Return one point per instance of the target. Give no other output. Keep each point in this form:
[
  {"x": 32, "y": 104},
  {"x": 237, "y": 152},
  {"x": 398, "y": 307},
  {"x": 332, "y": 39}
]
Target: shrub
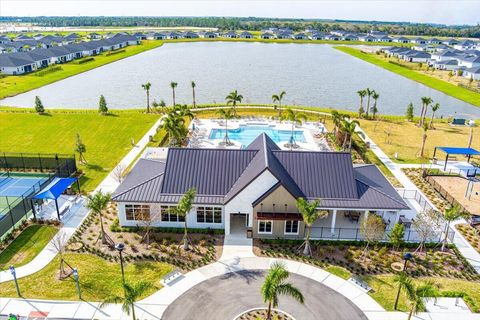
[{"x": 85, "y": 60}]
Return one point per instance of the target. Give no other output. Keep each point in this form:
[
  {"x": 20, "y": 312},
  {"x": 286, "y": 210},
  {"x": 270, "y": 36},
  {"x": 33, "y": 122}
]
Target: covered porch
[{"x": 345, "y": 224}]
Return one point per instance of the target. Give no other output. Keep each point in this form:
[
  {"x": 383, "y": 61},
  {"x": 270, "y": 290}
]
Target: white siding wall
[
  {"x": 242, "y": 203},
  {"x": 154, "y": 208}
]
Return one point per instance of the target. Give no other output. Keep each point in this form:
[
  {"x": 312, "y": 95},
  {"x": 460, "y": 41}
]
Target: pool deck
[{"x": 200, "y": 129}]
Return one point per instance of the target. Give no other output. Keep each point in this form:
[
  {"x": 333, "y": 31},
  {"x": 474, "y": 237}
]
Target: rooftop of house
[{"x": 221, "y": 174}]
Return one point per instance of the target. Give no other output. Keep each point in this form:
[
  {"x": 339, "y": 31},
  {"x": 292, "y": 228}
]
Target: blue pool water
[{"x": 245, "y": 135}]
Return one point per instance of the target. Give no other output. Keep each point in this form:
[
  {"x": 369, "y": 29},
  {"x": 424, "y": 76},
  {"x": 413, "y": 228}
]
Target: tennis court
[{"x": 15, "y": 185}]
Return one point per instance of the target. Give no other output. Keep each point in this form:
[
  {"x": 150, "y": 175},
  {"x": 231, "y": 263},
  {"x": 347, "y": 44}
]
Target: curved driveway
[{"x": 224, "y": 297}]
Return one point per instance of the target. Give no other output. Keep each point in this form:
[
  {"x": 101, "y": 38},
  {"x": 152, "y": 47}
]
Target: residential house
[
  {"x": 472, "y": 73},
  {"x": 418, "y": 41},
  {"x": 94, "y": 36},
  {"x": 208, "y": 35},
  {"x": 339, "y": 33},
  {"x": 246, "y": 35},
  {"x": 333, "y": 37},
  {"x": 448, "y": 65},
  {"x": 434, "y": 41},
  {"x": 384, "y": 39},
  {"x": 284, "y": 35},
  {"x": 318, "y": 36},
  {"x": 401, "y": 40},
  {"x": 301, "y": 36},
  {"x": 14, "y": 64},
  {"x": 38, "y": 36},
  {"x": 350, "y": 37},
  {"x": 417, "y": 56},
  {"x": 140, "y": 36},
  {"x": 174, "y": 35},
  {"x": 470, "y": 61},
  {"x": 5, "y": 40},
  {"x": 465, "y": 45},
  {"x": 153, "y": 36},
  {"x": 450, "y": 42},
  {"x": 267, "y": 35},
  {"x": 71, "y": 38},
  {"x": 22, "y": 37},
  {"x": 190, "y": 35},
  {"x": 230, "y": 34},
  {"x": 255, "y": 189},
  {"x": 367, "y": 38}
]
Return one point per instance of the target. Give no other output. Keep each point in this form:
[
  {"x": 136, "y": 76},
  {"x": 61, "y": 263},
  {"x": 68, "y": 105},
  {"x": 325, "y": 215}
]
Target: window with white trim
[
  {"x": 137, "y": 212},
  {"x": 209, "y": 215},
  {"x": 168, "y": 216},
  {"x": 265, "y": 226},
  {"x": 291, "y": 227}
]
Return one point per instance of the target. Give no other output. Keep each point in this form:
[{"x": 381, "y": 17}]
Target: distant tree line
[{"x": 253, "y": 23}]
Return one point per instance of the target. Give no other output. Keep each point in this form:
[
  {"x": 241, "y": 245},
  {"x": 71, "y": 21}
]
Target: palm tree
[
  {"x": 369, "y": 94},
  {"x": 146, "y": 87},
  {"x": 275, "y": 285},
  {"x": 361, "y": 94},
  {"x": 226, "y": 114},
  {"x": 278, "y": 98},
  {"x": 435, "y": 108},
  {"x": 182, "y": 110},
  {"x": 97, "y": 203},
  {"x": 451, "y": 214},
  {"x": 348, "y": 127},
  {"x": 426, "y": 101},
  {"x": 232, "y": 99},
  {"x": 424, "y": 139},
  {"x": 174, "y": 124},
  {"x": 310, "y": 214},
  {"x": 182, "y": 209},
  {"x": 419, "y": 295},
  {"x": 375, "y": 97},
  {"x": 336, "y": 119},
  {"x": 294, "y": 118},
  {"x": 403, "y": 282},
  {"x": 131, "y": 294},
  {"x": 193, "y": 93},
  {"x": 173, "y": 85}
]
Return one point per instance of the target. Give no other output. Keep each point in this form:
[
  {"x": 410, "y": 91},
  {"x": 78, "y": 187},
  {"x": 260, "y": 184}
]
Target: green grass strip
[{"x": 434, "y": 83}]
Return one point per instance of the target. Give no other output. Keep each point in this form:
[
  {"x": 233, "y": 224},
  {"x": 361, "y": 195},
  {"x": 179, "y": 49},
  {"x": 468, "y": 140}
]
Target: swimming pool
[{"x": 246, "y": 134}]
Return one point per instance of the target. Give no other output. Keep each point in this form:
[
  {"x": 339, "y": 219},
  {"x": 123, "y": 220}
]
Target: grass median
[
  {"x": 98, "y": 279},
  {"x": 26, "y": 246},
  {"x": 434, "y": 83}
]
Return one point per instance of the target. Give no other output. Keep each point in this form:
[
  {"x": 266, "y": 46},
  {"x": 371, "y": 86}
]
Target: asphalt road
[{"x": 224, "y": 297}]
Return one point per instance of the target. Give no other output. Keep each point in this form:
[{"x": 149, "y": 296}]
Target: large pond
[{"x": 311, "y": 74}]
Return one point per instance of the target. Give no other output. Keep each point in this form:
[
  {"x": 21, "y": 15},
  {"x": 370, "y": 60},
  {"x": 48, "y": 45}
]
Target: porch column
[
  {"x": 334, "y": 218},
  {"x": 227, "y": 223},
  {"x": 366, "y": 214}
]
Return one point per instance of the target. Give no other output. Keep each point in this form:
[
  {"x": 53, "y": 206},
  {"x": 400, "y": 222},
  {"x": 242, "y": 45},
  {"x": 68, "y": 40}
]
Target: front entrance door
[{"x": 238, "y": 223}]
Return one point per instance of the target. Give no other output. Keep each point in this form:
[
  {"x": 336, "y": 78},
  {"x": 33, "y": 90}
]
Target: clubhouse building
[{"x": 254, "y": 190}]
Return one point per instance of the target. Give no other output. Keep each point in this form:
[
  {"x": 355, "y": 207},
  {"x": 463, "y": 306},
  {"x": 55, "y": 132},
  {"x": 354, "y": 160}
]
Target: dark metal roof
[
  {"x": 211, "y": 171},
  {"x": 143, "y": 184},
  {"x": 325, "y": 175}
]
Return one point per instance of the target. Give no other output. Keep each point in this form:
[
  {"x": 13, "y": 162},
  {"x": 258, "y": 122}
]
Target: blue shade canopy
[
  {"x": 55, "y": 188},
  {"x": 461, "y": 151}
]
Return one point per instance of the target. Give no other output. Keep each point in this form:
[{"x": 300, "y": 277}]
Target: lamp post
[
  {"x": 14, "y": 274},
  {"x": 120, "y": 247},
  {"x": 75, "y": 276},
  {"x": 406, "y": 257}
]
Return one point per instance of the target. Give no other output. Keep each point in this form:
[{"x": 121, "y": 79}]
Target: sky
[{"x": 431, "y": 11}]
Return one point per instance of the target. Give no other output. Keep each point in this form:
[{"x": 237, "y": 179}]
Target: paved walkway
[
  {"x": 72, "y": 222},
  {"x": 472, "y": 256}
]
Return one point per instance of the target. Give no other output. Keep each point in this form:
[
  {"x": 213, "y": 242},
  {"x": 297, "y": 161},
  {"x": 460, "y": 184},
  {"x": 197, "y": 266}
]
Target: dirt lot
[{"x": 456, "y": 187}]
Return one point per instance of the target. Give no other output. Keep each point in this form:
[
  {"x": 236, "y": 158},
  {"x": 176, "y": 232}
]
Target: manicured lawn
[
  {"x": 385, "y": 290},
  {"x": 26, "y": 246},
  {"x": 107, "y": 138},
  {"x": 437, "y": 84},
  {"x": 406, "y": 138},
  {"x": 13, "y": 85},
  {"x": 98, "y": 279}
]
